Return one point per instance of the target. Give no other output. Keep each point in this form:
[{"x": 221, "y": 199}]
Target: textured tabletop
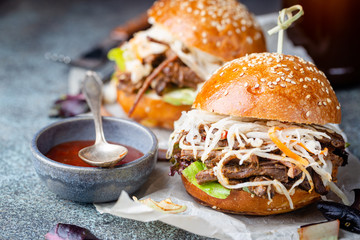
[{"x": 28, "y": 86}]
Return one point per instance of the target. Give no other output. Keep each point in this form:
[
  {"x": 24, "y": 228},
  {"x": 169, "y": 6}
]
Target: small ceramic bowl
[{"x": 88, "y": 184}]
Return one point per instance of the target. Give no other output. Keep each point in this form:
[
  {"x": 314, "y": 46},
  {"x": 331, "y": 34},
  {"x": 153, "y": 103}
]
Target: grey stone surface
[{"x": 28, "y": 86}]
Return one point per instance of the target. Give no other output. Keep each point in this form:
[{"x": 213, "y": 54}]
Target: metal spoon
[{"x": 102, "y": 153}]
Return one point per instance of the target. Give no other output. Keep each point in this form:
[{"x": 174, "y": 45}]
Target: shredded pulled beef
[
  {"x": 262, "y": 169},
  {"x": 175, "y": 74}
]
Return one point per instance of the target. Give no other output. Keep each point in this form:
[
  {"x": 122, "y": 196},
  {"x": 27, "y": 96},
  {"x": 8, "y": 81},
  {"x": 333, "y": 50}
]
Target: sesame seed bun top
[
  {"x": 223, "y": 28},
  {"x": 271, "y": 86}
]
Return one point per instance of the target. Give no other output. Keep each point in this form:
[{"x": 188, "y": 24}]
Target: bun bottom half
[
  {"x": 241, "y": 202},
  {"x": 151, "y": 112}
]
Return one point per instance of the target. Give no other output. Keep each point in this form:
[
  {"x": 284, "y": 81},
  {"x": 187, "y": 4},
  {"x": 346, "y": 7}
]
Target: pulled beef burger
[
  {"x": 160, "y": 69},
  {"x": 261, "y": 139}
]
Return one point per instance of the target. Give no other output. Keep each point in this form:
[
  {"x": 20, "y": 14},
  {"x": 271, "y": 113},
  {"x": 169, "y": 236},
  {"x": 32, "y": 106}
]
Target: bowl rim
[{"x": 41, "y": 157}]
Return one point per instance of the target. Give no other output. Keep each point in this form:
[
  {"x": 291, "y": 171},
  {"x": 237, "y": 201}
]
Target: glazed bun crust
[
  {"x": 223, "y": 28},
  {"x": 271, "y": 86},
  {"x": 151, "y": 112},
  {"x": 241, "y": 202}
]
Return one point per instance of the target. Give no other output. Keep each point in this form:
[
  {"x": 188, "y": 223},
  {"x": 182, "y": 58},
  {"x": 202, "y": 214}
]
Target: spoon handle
[{"x": 92, "y": 89}]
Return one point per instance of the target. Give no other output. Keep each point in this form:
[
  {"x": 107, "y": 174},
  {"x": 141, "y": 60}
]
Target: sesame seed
[
  {"x": 222, "y": 73},
  {"x": 329, "y": 100},
  {"x": 282, "y": 85},
  {"x": 244, "y": 68},
  {"x": 319, "y": 103},
  {"x": 257, "y": 36},
  {"x": 257, "y": 85},
  {"x": 246, "y": 84},
  {"x": 249, "y": 39},
  {"x": 235, "y": 69},
  {"x": 324, "y": 103},
  {"x": 338, "y": 107},
  {"x": 241, "y": 74},
  {"x": 308, "y": 113},
  {"x": 308, "y": 96},
  {"x": 263, "y": 79},
  {"x": 293, "y": 82},
  {"x": 305, "y": 86}
]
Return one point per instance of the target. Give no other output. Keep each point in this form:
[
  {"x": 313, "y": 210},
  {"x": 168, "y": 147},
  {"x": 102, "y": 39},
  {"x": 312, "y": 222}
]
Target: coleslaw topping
[
  {"x": 299, "y": 144},
  {"x": 142, "y": 46}
]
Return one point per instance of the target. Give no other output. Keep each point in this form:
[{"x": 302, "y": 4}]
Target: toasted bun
[
  {"x": 151, "y": 112},
  {"x": 271, "y": 86},
  {"x": 241, "y": 202},
  {"x": 223, "y": 28}
]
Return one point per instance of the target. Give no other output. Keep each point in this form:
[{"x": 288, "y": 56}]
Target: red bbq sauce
[{"x": 67, "y": 153}]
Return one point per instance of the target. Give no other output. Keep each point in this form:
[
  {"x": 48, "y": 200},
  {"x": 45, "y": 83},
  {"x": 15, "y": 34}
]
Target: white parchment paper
[{"x": 208, "y": 222}]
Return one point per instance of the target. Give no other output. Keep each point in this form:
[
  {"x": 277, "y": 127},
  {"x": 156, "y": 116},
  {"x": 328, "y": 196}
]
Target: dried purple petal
[
  {"x": 62, "y": 231},
  {"x": 349, "y": 216},
  {"x": 69, "y": 106},
  {"x": 356, "y": 203},
  {"x": 178, "y": 167}
]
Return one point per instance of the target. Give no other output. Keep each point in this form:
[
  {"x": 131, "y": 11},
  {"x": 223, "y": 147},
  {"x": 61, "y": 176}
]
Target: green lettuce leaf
[
  {"x": 184, "y": 96},
  {"x": 246, "y": 189},
  {"x": 213, "y": 189},
  {"x": 117, "y": 55}
]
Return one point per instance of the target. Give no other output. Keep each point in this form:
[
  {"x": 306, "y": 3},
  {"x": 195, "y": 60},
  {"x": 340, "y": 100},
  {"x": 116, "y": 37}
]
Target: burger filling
[
  {"x": 175, "y": 70},
  {"x": 174, "y": 75},
  {"x": 259, "y": 156}
]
